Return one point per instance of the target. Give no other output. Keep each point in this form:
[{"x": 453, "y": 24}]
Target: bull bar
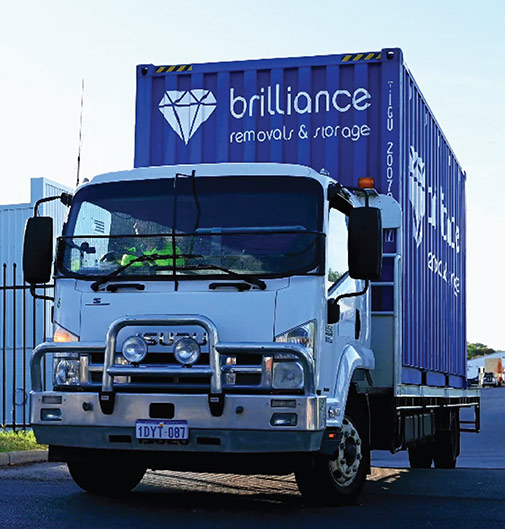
[{"x": 291, "y": 352}]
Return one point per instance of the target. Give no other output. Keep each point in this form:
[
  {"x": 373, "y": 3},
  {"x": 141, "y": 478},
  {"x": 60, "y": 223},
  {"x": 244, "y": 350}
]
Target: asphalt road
[{"x": 43, "y": 496}]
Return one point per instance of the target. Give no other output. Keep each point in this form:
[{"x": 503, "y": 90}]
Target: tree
[
  {"x": 334, "y": 276},
  {"x": 475, "y": 350}
]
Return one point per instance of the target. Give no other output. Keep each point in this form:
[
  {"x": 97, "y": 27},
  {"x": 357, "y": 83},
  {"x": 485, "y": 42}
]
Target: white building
[{"x": 24, "y": 322}]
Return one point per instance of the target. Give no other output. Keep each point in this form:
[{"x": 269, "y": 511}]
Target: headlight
[
  {"x": 67, "y": 370},
  {"x": 134, "y": 349},
  {"x": 303, "y": 334},
  {"x": 287, "y": 375},
  {"x": 62, "y": 335},
  {"x": 186, "y": 351}
]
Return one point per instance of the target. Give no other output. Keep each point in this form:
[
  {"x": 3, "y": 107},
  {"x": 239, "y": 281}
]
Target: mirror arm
[
  {"x": 366, "y": 191},
  {"x": 354, "y": 294},
  {"x": 65, "y": 198}
]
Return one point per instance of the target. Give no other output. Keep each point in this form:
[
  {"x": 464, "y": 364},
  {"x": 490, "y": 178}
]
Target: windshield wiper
[
  {"x": 248, "y": 279},
  {"x": 155, "y": 256},
  {"x": 152, "y": 257}
]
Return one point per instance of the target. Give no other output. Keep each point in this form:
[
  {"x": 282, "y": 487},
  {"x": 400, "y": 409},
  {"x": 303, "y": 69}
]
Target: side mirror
[
  {"x": 38, "y": 250},
  {"x": 365, "y": 243},
  {"x": 333, "y": 311}
]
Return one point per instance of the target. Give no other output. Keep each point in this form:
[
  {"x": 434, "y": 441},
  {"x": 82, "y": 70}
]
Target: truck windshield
[{"x": 258, "y": 226}]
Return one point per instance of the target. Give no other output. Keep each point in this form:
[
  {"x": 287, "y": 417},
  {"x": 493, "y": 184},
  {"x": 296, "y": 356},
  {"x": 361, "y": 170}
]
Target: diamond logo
[
  {"x": 417, "y": 192},
  {"x": 186, "y": 110}
]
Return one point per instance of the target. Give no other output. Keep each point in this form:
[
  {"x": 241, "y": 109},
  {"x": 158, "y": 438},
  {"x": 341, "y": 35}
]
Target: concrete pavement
[{"x": 22, "y": 457}]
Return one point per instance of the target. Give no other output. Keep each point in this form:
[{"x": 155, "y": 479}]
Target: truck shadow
[{"x": 197, "y": 500}]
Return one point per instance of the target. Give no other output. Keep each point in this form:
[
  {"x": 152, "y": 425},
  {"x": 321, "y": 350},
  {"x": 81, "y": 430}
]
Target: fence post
[
  {"x": 4, "y": 345},
  {"x": 10, "y": 366},
  {"x": 24, "y": 356},
  {"x": 14, "y": 349}
]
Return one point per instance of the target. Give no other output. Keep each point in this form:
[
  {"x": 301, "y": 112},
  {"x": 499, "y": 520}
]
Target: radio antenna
[{"x": 80, "y": 136}]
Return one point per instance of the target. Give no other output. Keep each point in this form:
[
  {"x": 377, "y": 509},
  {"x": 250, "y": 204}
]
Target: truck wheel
[
  {"x": 106, "y": 478},
  {"x": 446, "y": 448},
  {"x": 338, "y": 479},
  {"x": 421, "y": 455}
]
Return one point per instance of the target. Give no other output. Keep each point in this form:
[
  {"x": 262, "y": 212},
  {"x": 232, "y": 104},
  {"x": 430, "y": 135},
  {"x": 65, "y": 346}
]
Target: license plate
[{"x": 160, "y": 429}]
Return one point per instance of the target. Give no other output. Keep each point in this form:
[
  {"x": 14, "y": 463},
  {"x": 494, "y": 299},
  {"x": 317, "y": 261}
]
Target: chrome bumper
[
  {"x": 244, "y": 426},
  {"x": 233, "y": 421}
]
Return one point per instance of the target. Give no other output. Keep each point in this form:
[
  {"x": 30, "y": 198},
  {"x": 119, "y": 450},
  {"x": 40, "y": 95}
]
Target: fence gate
[{"x": 24, "y": 323}]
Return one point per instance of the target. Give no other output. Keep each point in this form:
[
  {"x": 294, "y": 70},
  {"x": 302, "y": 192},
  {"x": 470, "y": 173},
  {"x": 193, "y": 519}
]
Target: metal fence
[{"x": 24, "y": 323}]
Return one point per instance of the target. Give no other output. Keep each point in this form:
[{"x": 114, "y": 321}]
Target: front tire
[
  {"x": 338, "y": 479},
  {"x": 106, "y": 478}
]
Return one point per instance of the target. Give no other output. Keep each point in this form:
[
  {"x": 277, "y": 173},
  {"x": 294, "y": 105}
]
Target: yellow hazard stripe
[
  {"x": 175, "y": 68},
  {"x": 361, "y": 57}
]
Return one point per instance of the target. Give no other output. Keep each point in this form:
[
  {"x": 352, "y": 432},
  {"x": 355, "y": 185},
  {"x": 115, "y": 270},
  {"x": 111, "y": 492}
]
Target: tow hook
[
  {"x": 216, "y": 404},
  {"x": 106, "y": 399}
]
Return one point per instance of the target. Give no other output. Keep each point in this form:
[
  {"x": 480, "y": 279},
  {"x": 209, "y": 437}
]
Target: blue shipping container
[{"x": 354, "y": 115}]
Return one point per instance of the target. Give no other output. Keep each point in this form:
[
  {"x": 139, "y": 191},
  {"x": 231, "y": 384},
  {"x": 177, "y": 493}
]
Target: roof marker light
[{"x": 366, "y": 183}]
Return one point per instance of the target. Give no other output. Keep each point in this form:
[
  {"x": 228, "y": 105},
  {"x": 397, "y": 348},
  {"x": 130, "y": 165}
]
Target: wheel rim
[{"x": 345, "y": 466}]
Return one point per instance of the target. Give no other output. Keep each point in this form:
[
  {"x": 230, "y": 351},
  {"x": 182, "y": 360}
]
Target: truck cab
[{"x": 212, "y": 317}]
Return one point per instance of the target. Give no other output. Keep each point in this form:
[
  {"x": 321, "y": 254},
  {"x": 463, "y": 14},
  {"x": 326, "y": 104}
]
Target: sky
[{"x": 455, "y": 49}]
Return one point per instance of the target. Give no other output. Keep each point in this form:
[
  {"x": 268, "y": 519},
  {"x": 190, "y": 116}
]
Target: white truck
[{"x": 251, "y": 317}]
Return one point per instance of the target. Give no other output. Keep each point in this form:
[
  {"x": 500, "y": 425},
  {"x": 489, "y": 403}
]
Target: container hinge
[
  {"x": 216, "y": 404},
  {"x": 106, "y": 399}
]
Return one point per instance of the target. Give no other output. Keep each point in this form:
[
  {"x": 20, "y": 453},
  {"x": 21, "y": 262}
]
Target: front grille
[
  {"x": 246, "y": 379},
  {"x": 152, "y": 359},
  {"x": 166, "y": 384}
]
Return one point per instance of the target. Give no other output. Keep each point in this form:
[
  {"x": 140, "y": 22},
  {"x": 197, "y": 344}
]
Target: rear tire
[
  {"x": 421, "y": 455},
  {"x": 338, "y": 479},
  {"x": 447, "y": 444},
  {"x": 106, "y": 478}
]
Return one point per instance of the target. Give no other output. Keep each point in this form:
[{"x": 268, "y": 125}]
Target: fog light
[
  {"x": 284, "y": 419},
  {"x": 50, "y": 414},
  {"x": 186, "y": 351},
  {"x": 134, "y": 349}
]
